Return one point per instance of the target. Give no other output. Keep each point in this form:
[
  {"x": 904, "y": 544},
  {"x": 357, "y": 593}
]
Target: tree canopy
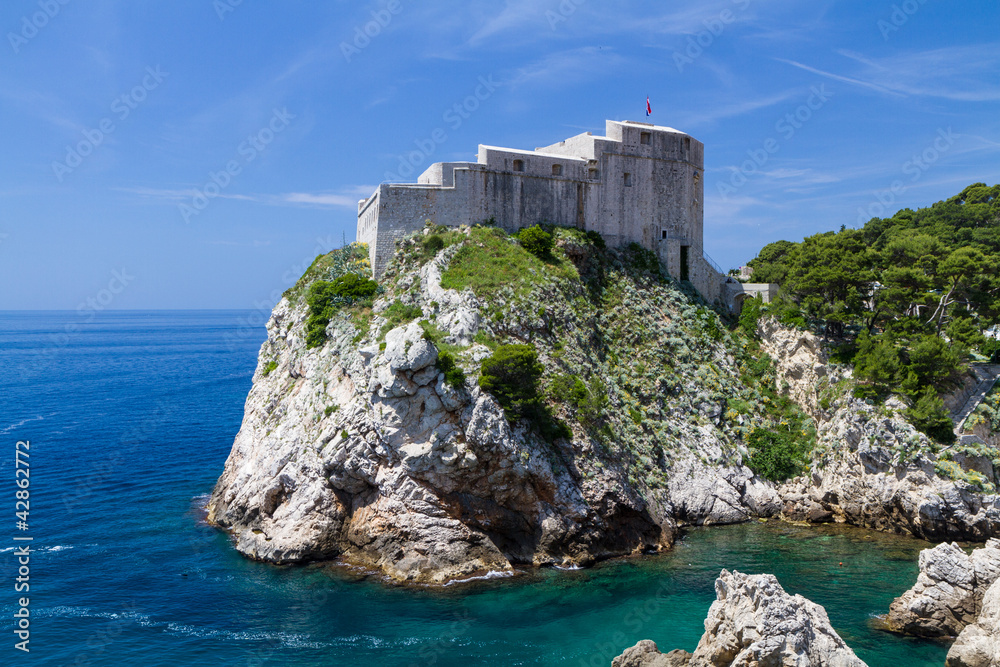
[{"x": 922, "y": 287}]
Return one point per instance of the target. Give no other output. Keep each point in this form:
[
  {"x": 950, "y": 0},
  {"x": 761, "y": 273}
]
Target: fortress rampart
[{"x": 641, "y": 183}]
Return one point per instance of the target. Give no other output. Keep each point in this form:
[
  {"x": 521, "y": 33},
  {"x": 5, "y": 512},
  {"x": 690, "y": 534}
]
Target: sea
[{"x": 129, "y": 417}]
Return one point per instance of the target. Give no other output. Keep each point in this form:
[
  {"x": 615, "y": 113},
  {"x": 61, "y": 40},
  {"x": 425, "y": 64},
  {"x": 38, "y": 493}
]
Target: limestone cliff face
[
  {"x": 360, "y": 449},
  {"x": 872, "y": 468}
]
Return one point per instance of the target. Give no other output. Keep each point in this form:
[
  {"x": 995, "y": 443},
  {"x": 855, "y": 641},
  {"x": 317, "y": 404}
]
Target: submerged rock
[
  {"x": 948, "y": 595},
  {"x": 755, "y": 623}
]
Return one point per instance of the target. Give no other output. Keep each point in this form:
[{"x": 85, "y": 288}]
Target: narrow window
[
  {"x": 644, "y": 138},
  {"x": 518, "y": 165},
  {"x": 594, "y": 174},
  {"x": 684, "y": 263},
  {"x": 687, "y": 143},
  {"x": 628, "y": 180},
  {"x": 663, "y": 234},
  {"x": 557, "y": 170}
]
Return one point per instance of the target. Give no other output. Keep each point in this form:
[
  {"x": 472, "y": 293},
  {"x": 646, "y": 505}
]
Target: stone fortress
[{"x": 641, "y": 183}]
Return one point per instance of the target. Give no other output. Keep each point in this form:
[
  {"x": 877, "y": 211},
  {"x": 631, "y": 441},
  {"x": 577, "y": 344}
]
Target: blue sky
[{"x": 199, "y": 153}]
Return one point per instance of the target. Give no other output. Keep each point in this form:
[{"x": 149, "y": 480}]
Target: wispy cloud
[
  {"x": 964, "y": 73},
  {"x": 565, "y": 67},
  {"x": 720, "y": 111},
  {"x": 844, "y": 79},
  {"x": 346, "y": 198}
]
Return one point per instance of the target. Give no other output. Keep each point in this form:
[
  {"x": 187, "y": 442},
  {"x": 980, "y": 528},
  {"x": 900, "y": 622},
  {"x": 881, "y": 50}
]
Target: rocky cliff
[
  {"x": 368, "y": 438},
  {"x": 754, "y": 622},
  {"x": 361, "y": 448},
  {"x": 871, "y": 467}
]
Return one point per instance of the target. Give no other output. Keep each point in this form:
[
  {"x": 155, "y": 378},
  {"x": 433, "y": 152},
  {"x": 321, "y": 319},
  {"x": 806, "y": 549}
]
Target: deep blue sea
[{"x": 130, "y": 419}]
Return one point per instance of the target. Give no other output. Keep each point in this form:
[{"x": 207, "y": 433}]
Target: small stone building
[{"x": 640, "y": 183}]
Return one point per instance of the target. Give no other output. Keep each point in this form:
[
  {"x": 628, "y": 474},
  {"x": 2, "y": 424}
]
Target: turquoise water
[{"x": 131, "y": 418}]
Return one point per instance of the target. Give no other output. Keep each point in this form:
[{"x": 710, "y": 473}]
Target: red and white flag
[{"x": 649, "y": 109}]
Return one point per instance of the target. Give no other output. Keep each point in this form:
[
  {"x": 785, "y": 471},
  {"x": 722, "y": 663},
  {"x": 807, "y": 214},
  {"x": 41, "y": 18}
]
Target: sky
[{"x": 200, "y": 153}]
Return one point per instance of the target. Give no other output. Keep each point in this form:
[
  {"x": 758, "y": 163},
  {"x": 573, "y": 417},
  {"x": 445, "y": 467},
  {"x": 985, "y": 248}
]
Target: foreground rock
[
  {"x": 755, "y": 623},
  {"x": 978, "y": 645},
  {"x": 949, "y": 592},
  {"x": 646, "y": 654}
]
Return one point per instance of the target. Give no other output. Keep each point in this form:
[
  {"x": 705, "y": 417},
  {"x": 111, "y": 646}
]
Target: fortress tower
[{"x": 640, "y": 183}]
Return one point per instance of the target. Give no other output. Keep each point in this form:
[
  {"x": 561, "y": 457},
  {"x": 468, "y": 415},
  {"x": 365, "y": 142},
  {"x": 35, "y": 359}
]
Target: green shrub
[
  {"x": 568, "y": 389},
  {"x": 269, "y": 367},
  {"x": 432, "y": 244},
  {"x": 750, "y": 314},
  {"x": 325, "y": 297},
  {"x": 596, "y": 238},
  {"x": 454, "y": 376},
  {"x": 511, "y": 374},
  {"x": 774, "y": 455},
  {"x": 589, "y": 402},
  {"x": 877, "y": 364},
  {"x": 929, "y": 416},
  {"x": 330, "y": 409},
  {"x": 537, "y": 241}
]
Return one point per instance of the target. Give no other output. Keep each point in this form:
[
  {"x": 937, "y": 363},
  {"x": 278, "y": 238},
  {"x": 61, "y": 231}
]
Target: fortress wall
[
  {"x": 407, "y": 208},
  {"x": 658, "y": 205},
  {"x": 521, "y": 201}
]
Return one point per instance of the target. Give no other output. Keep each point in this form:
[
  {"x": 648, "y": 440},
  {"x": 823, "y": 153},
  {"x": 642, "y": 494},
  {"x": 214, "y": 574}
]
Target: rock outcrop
[
  {"x": 871, "y": 467},
  {"x": 646, "y": 654},
  {"x": 978, "y": 645},
  {"x": 360, "y": 449},
  {"x": 755, "y": 623},
  {"x": 949, "y": 592}
]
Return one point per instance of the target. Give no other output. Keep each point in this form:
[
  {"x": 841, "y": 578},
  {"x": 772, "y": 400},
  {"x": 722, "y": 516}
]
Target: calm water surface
[{"x": 131, "y": 417}]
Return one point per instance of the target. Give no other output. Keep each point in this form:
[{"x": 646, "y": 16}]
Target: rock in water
[
  {"x": 949, "y": 591},
  {"x": 979, "y": 644},
  {"x": 646, "y": 654},
  {"x": 755, "y": 623}
]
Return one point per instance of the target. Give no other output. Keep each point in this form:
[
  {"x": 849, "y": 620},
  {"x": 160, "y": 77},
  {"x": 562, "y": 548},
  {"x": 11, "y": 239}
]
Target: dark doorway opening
[{"x": 684, "y": 262}]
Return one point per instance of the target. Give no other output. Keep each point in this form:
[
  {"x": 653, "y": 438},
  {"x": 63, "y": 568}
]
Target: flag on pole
[{"x": 649, "y": 109}]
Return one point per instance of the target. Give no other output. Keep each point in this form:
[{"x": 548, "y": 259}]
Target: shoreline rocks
[
  {"x": 978, "y": 645},
  {"x": 753, "y": 621},
  {"x": 949, "y": 592}
]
